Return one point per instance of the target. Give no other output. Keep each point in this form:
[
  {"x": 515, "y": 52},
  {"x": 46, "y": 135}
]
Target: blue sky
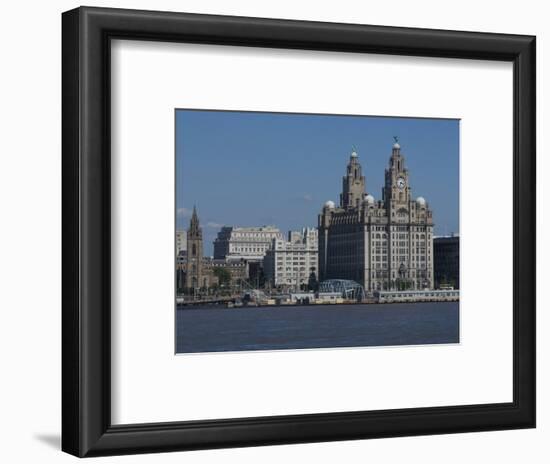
[{"x": 253, "y": 169}]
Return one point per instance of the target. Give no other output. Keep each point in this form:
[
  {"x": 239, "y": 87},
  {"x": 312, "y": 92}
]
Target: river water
[{"x": 332, "y": 326}]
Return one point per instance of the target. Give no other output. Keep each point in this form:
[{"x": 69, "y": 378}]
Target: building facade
[
  {"x": 289, "y": 263},
  {"x": 245, "y": 243},
  {"x": 236, "y": 270},
  {"x": 447, "y": 261},
  {"x": 381, "y": 244}
]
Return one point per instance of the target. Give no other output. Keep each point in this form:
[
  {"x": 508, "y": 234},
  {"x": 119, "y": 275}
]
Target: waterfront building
[
  {"x": 290, "y": 263},
  {"x": 248, "y": 243},
  {"x": 381, "y": 244},
  {"x": 447, "y": 261},
  {"x": 195, "y": 271},
  {"x": 181, "y": 241}
]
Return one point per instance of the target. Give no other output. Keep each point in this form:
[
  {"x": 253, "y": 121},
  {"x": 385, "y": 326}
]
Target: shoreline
[{"x": 181, "y": 307}]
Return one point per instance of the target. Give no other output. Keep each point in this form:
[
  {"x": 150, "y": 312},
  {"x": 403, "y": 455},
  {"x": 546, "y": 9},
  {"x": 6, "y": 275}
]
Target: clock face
[{"x": 400, "y": 183}]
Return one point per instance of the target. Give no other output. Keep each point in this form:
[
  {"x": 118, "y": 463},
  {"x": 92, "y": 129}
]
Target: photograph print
[{"x": 305, "y": 231}]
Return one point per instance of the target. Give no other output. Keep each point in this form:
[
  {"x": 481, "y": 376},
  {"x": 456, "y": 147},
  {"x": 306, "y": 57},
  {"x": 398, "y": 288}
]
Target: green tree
[
  {"x": 223, "y": 275},
  {"x": 313, "y": 284}
]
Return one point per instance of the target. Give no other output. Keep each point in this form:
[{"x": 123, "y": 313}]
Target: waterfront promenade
[{"x": 210, "y": 329}]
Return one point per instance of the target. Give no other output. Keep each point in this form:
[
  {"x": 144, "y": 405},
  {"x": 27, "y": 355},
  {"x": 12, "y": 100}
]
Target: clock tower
[{"x": 396, "y": 193}]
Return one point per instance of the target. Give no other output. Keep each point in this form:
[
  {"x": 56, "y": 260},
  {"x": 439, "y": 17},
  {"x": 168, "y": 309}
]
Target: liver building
[{"x": 383, "y": 245}]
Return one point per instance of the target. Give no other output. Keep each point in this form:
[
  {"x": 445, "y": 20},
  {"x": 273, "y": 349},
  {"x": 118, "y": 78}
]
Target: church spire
[
  {"x": 194, "y": 226},
  {"x": 194, "y": 265}
]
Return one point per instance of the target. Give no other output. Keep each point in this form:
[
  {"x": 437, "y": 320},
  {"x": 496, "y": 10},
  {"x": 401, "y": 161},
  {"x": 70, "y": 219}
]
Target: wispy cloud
[
  {"x": 307, "y": 197},
  {"x": 214, "y": 225},
  {"x": 183, "y": 212}
]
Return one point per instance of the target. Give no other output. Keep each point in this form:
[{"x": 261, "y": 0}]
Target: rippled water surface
[{"x": 278, "y": 328}]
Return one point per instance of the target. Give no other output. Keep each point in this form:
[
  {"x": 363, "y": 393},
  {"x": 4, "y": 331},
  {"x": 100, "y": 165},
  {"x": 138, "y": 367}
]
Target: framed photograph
[
  {"x": 285, "y": 231},
  {"x": 366, "y": 270}
]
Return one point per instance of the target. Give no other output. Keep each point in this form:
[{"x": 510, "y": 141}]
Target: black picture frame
[{"x": 86, "y": 380}]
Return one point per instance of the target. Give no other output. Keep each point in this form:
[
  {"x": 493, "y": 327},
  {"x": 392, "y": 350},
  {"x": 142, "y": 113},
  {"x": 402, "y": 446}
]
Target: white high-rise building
[
  {"x": 248, "y": 243},
  {"x": 289, "y": 263}
]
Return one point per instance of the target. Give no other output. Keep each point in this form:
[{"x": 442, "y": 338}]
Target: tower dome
[
  {"x": 421, "y": 202},
  {"x": 396, "y": 145},
  {"x": 354, "y": 154},
  {"x": 369, "y": 199},
  {"x": 329, "y": 204}
]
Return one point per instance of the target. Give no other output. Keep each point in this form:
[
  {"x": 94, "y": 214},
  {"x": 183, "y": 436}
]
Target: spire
[{"x": 194, "y": 227}]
